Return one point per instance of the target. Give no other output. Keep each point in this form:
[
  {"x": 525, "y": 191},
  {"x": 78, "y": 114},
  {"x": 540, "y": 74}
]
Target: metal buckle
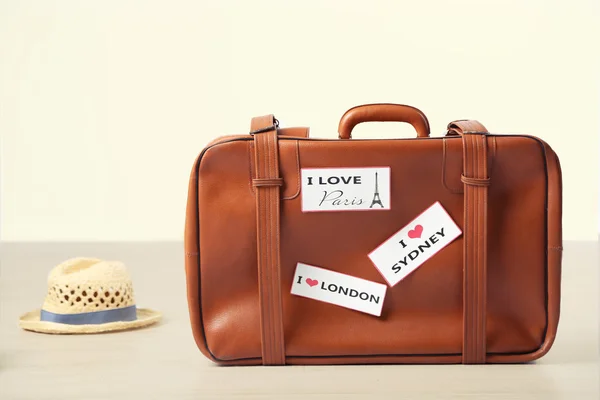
[{"x": 273, "y": 127}]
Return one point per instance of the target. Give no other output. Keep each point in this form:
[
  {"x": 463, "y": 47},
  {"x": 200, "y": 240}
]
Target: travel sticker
[
  {"x": 345, "y": 189},
  {"x": 414, "y": 244},
  {"x": 339, "y": 289}
]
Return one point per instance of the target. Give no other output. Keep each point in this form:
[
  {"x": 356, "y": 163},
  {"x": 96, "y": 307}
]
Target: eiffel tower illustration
[{"x": 376, "y": 199}]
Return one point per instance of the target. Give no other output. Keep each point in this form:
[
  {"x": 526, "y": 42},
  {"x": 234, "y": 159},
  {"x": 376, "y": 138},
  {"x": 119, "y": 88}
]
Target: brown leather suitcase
[{"x": 489, "y": 296}]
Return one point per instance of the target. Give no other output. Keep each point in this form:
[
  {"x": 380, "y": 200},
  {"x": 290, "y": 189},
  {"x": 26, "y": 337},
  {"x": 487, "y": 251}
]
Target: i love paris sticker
[
  {"x": 345, "y": 189},
  {"x": 414, "y": 244}
]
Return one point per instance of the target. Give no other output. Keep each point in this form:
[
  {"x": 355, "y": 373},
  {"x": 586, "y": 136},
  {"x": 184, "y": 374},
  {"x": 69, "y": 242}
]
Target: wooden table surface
[{"x": 162, "y": 361}]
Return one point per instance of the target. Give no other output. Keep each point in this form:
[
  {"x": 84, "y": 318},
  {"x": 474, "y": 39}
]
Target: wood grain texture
[{"x": 162, "y": 361}]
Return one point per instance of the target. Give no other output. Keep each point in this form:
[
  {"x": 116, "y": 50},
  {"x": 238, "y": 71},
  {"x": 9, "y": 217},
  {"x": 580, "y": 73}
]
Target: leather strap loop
[
  {"x": 267, "y": 182},
  {"x": 268, "y": 186},
  {"x": 476, "y": 181}
]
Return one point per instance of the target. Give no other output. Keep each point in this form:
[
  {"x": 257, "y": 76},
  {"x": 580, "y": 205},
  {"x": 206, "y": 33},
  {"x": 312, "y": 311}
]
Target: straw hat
[{"x": 88, "y": 295}]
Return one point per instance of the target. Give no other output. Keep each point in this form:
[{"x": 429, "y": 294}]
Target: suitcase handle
[{"x": 381, "y": 113}]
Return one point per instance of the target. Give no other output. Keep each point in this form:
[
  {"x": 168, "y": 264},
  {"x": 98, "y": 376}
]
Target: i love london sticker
[
  {"x": 414, "y": 244},
  {"x": 339, "y": 289}
]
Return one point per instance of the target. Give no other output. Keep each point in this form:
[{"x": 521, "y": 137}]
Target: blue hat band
[{"x": 92, "y": 318}]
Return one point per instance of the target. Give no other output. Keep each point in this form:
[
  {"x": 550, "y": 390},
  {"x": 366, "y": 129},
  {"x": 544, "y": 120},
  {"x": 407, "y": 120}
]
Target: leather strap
[
  {"x": 461, "y": 126},
  {"x": 476, "y": 180},
  {"x": 295, "y": 131},
  {"x": 267, "y": 183}
]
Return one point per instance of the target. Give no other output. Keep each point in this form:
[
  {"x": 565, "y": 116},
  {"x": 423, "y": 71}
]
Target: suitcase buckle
[{"x": 273, "y": 127}]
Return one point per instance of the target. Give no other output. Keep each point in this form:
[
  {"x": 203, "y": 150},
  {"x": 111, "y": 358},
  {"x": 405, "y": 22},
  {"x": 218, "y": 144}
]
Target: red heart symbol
[
  {"x": 416, "y": 232},
  {"x": 312, "y": 282}
]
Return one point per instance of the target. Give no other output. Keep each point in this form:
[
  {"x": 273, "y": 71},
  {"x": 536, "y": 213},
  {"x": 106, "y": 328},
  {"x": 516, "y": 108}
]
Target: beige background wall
[{"x": 104, "y": 105}]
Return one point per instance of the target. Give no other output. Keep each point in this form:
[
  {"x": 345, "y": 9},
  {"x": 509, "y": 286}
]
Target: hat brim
[{"x": 31, "y": 322}]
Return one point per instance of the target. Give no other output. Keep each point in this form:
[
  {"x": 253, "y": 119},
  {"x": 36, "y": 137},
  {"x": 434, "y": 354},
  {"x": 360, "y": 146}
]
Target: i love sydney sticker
[
  {"x": 414, "y": 244},
  {"x": 339, "y": 289}
]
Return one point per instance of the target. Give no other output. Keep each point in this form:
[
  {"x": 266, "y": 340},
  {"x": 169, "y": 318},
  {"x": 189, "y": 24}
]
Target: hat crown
[{"x": 82, "y": 285}]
